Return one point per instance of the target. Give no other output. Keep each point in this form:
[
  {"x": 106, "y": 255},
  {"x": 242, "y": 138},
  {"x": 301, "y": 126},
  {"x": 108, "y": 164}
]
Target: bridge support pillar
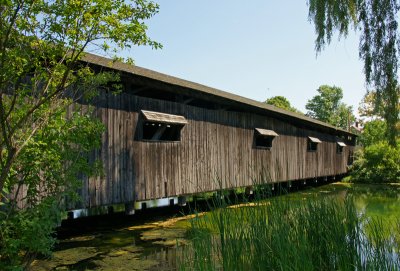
[
  {"x": 110, "y": 210},
  {"x": 249, "y": 191},
  {"x": 129, "y": 208},
  {"x": 182, "y": 200},
  {"x": 70, "y": 215}
]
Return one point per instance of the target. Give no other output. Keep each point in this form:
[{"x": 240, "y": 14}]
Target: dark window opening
[
  {"x": 312, "y": 143},
  {"x": 159, "y": 126},
  {"x": 264, "y": 141},
  {"x": 264, "y": 137},
  {"x": 161, "y": 131},
  {"x": 312, "y": 146},
  {"x": 339, "y": 147}
]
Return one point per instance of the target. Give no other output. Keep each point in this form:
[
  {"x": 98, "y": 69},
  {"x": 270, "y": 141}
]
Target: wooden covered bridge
[{"x": 167, "y": 137}]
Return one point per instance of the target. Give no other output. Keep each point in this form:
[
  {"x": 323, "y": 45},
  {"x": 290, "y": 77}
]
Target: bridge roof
[{"x": 217, "y": 95}]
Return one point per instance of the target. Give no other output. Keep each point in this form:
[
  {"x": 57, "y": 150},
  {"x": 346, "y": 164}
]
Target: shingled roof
[{"x": 171, "y": 80}]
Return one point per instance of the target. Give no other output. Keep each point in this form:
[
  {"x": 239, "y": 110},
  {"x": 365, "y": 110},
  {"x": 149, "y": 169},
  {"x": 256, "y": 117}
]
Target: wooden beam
[
  {"x": 137, "y": 90},
  {"x": 188, "y": 100},
  {"x": 223, "y": 108}
]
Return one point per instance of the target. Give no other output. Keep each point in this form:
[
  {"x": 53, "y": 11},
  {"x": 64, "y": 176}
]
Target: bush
[
  {"x": 27, "y": 233},
  {"x": 377, "y": 163}
]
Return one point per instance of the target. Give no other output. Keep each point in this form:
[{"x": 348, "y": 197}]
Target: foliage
[
  {"x": 25, "y": 232},
  {"x": 379, "y": 46},
  {"x": 377, "y": 163},
  {"x": 313, "y": 234},
  {"x": 369, "y": 106},
  {"x": 373, "y": 132},
  {"x": 44, "y": 140},
  {"x": 327, "y": 107},
  {"x": 47, "y": 169},
  {"x": 282, "y": 102}
]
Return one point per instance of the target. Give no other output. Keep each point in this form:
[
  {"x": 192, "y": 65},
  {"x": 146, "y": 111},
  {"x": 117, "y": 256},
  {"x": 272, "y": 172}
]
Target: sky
[{"x": 257, "y": 49}]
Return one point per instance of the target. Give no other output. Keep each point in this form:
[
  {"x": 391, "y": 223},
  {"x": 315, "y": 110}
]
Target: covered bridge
[{"x": 168, "y": 137}]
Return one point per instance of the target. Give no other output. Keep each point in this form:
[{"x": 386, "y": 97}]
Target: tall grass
[{"x": 312, "y": 234}]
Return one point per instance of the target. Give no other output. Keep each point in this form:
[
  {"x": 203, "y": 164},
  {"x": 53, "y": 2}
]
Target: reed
[{"x": 278, "y": 234}]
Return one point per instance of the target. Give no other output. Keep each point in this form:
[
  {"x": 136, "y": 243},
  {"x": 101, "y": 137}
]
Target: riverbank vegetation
[
  {"x": 280, "y": 234},
  {"x": 376, "y": 161}
]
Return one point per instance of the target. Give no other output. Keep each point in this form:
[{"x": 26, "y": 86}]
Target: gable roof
[{"x": 192, "y": 86}]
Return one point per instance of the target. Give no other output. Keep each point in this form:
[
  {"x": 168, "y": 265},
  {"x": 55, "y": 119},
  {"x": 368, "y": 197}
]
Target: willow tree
[
  {"x": 41, "y": 74},
  {"x": 377, "y": 23}
]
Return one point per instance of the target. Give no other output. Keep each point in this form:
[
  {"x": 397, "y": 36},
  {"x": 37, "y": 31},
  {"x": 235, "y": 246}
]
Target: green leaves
[
  {"x": 281, "y": 102},
  {"x": 45, "y": 140},
  {"x": 327, "y": 107},
  {"x": 377, "y": 22},
  {"x": 50, "y": 167},
  {"x": 373, "y": 132},
  {"x": 377, "y": 163},
  {"x": 331, "y": 16}
]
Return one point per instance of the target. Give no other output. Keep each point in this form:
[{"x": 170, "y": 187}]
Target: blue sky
[{"x": 256, "y": 49}]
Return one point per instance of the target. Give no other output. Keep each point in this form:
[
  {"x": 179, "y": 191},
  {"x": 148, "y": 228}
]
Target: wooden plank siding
[{"x": 216, "y": 148}]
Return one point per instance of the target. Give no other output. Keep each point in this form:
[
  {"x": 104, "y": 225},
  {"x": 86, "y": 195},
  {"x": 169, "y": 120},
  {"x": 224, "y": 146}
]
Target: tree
[
  {"x": 373, "y": 107},
  {"x": 379, "y": 45},
  {"x": 281, "y": 102},
  {"x": 369, "y": 108},
  {"x": 327, "y": 107},
  {"x": 373, "y": 132},
  {"x": 44, "y": 142}
]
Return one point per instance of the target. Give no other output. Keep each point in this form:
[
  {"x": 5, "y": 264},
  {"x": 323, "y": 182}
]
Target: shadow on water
[
  {"x": 144, "y": 241},
  {"x": 151, "y": 239}
]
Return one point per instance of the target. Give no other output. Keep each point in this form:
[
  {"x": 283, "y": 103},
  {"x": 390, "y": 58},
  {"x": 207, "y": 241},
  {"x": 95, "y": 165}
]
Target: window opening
[
  {"x": 312, "y": 143},
  {"x": 162, "y": 127},
  {"x": 264, "y": 138},
  {"x": 340, "y": 146},
  {"x": 161, "y": 131}
]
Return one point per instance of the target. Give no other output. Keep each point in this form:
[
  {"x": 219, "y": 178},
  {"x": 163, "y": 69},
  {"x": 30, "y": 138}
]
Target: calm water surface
[{"x": 152, "y": 243}]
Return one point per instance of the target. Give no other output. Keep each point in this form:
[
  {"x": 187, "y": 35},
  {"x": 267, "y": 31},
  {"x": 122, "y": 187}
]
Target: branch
[
  {"x": 5, "y": 170},
  {"x": 6, "y": 39},
  {"x": 6, "y": 138}
]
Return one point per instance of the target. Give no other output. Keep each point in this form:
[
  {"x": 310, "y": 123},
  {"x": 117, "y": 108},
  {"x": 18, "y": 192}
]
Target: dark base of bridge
[{"x": 230, "y": 196}]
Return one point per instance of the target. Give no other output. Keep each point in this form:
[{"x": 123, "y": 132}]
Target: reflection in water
[{"x": 153, "y": 245}]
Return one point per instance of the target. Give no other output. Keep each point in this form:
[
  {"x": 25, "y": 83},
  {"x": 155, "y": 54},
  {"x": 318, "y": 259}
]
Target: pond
[{"x": 152, "y": 239}]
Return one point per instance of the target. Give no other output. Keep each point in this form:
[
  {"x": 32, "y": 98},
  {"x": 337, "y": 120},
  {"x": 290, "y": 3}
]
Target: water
[{"x": 151, "y": 240}]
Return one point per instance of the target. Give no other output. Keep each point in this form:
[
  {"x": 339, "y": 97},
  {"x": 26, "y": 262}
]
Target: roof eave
[{"x": 139, "y": 71}]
